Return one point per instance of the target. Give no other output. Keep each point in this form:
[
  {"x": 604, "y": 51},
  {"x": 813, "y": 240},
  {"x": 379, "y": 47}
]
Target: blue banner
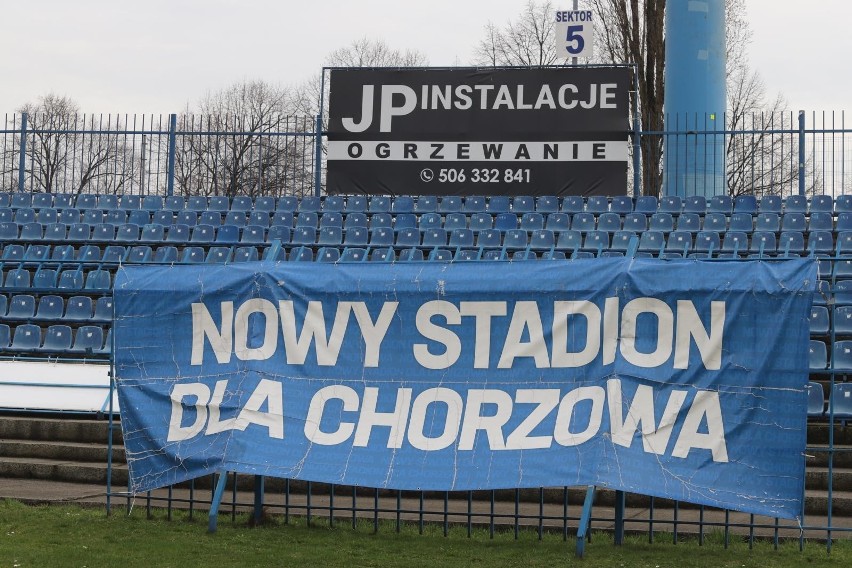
[{"x": 681, "y": 379}]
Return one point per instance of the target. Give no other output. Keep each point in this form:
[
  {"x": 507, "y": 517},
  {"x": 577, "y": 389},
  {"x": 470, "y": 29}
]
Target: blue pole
[
  {"x": 801, "y": 152},
  {"x": 23, "y": 151},
  {"x": 213, "y": 516},
  {"x": 170, "y": 190}
]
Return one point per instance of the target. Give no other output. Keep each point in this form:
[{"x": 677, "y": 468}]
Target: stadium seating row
[
  {"x": 68, "y": 279},
  {"x": 423, "y": 204},
  {"x": 841, "y": 355},
  {"x": 840, "y": 403},
  {"x": 56, "y": 339},
  {"x": 50, "y": 307}
]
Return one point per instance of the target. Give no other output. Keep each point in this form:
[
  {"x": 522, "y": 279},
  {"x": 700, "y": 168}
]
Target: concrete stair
[{"x": 69, "y": 456}]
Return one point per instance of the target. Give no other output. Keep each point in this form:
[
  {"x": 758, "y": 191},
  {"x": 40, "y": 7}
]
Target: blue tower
[{"x": 694, "y": 162}]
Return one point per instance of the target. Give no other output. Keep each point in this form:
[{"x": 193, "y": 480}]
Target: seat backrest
[
  {"x": 79, "y": 308},
  {"x": 21, "y": 306},
  {"x": 88, "y": 338},
  {"x": 57, "y": 338},
  {"x": 27, "y": 337}
]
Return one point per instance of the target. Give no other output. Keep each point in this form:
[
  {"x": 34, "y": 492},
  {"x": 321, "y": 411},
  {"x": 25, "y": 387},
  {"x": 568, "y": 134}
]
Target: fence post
[
  {"x": 23, "y": 152},
  {"x": 318, "y": 156},
  {"x": 637, "y": 146},
  {"x": 170, "y": 189},
  {"x": 801, "y": 152}
]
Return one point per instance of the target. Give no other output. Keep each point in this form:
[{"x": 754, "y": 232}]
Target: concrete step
[
  {"x": 72, "y": 451},
  {"x": 58, "y": 429},
  {"x": 60, "y": 470}
]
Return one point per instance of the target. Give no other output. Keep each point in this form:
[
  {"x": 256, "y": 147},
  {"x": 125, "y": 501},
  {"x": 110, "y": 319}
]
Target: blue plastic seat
[
  {"x": 18, "y": 278},
  {"x": 289, "y": 203},
  {"x": 280, "y": 233},
  {"x": 842, "y": 320},
  {"x": 32, "y": 231},
  {"x": 647, "y": 204},
  {"x": 689, "y": 222},
  {"x": 381, "y": 220},
  {"x": 25, "y": 215},
  {"x": 547, "y": 204},
  {"x": 45, "y": 279},
  {"x": 284, "y": 218},
  {"x": 9, "y": 231},
  {"x": 356, "y": 219},
  {"x": 820, "y": 242},
  {"x": 843, "y": 203},
  {"x": 430, "y": 221},
  {"x": 745, "y": 204},
  {"x": 258, "y": 218},
  {"x": 652, "y": 241},
  {"x": 816, "y": 399},
  {"x": 410, "y": 254},
  {"x": 203, "y": 234},
  {"x": 822, "y": 203},
  {"x": 610, "y": 222},
  {"x": 583, "y": 222},
  {"x": 356, "y": 203},
  {"x": 227, "y": 234},
  {"x": 771, "y": 204},
  {"x": 86, "y": 201},
  {"x": 715, "y": 221},
  {"x": 37, "y": 252},
  {"x": 330, "y": 236},
  {"x": 301, "y": 254},
  {"x": 103, "y": 232},
  {"x": 596, "y": 241},
  {"x": 79, "y": 308},
  {"x": 310, "y": 204},
  {"x": 841, "y": 354},
  {"x": 21, "y": 307},
  {"x": 253, "y": 234},
  {"x": 114, "y": 253},
  {"x": 56, "y": 232},
  {"x": 454, "y": 221},
  {"x": 506, "y": 221},
  {"x": 791, "y": 243},
  {"x": 139, "y": 217},
  {"x": 353, "y": 254},
  {"x": 795, "y": 204},
  {"x": 542, "y": 239},
  {"x": 47, "y": 216},
  {"x": 821, "y": 221},
  {"x": 434, "y": 238},
  {"x": 304, "y": 236},
  {"x": 533, "y": 221},
  {"x": 178, "y": 233},
  {"x": 98, "y": 279},
  {"x": 63, "y": 252},
  {"x": 707, "y": 242},
  {"x": 242, "y": 203},
  {"x": 572, "y": 204},
  {"x": 68, "y": 216},
  {"x": 213, "y": 218},
  {"x": 153, "y": 232},
  {"x": 139, "y": 254},
  {"x": 165, "y": 254},
  {"x": 515, "y": 239},
  {"x": 721, "y": 204},
  {"x": 71, "y": 279},
  {"x": 218, "y": 255},
  {"x": 186, "y": 217},
  {"x": 93, "y": 216},
  {"x": 115, "y": 217},
  {"x": 558, "y": 222},
  {"x": 489, "y": 238},
  {"x": 193, "y": 255},
  {"x": 246, "y": 254},
  {"x": 736, "y": 242},
  {"x": 768, "y": 222},
  {"x": 461, "y": 238},
  {"x": 621, "y": 204},
  {"x": 331, "y": 219},
  {"x": 663, "y": 222},
  {"x": 21, "y": 199},
  {"x": 481, "y": 221},
  {"x": 840, "y": 403},
  {"x": 402, "y": 204},
  {"x": 440, "y": 255},
  {"x": 569, "y": 240},
  {"x": 450, "y": 204},
  {"x": 383, "y": 255},
  {"x": 695, "y": 204},
  {"x": 523, "y": 204},
  {"x": 236, "y": 218},
  {"x": 741, "y": 222},
  {"x": 621, "y": 240},
  {"x": 379, "y": 204},
  {"x": 125, "y": 233},
  {"x": 219, "y": 203},
  {"x": 174, "y": 203},
  {"x": 763, "y": 242},
  {"x": 89, "y": 338},
  {"x": 150, "y": 203},
  {"x": 679, "y": 241},
  {"x": 13, "y": 252},
  {"x": 817, "y": 355},
  {"x": 597, "y": 204},
  {"x": 27, "y": 338},
  {"x": 57, "y": 338}
]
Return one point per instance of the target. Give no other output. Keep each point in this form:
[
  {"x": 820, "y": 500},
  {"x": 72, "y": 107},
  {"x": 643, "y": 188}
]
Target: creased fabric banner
[{"x": 682, "y": 379}]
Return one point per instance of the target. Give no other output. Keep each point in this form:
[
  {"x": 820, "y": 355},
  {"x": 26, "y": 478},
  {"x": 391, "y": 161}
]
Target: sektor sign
[
  {"x": 511, "y": 131},
  {"x": 680, "y": 379}
]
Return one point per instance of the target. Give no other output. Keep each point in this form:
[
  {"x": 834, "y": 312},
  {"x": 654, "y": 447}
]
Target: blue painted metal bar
[
  {"x": 801, "y": 152},
  {"x": 170, "y": 188},
  {"x": 259, "y": 482},
  {"x": 585, "y": 521},
  {"x": 620, "y": 501},
  {"x": 637, "y": 139},
  {"x": 213, "y": 516},
  {"x": 318, "y": 155},
  {"x": 22, "y": 162}
]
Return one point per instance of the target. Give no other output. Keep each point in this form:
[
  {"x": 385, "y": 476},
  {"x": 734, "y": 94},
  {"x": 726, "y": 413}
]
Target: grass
[{"x": 68, "y": 535}]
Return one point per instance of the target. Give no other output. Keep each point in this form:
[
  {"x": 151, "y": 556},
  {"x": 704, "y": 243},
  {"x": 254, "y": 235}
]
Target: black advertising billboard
[{"x": 553, "y": 131}]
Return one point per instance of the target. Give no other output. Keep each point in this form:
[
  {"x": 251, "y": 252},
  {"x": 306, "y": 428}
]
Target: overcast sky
[{"x": 154, "y": 56}]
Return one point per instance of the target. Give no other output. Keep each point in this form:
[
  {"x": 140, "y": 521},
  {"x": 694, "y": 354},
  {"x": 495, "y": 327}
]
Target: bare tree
[
  {"x": 244, "y": 140},
  {"x": 367, "y": 52},
  {"x": 69, "y": 152},
  {"x": 525, "y": 42},
  {"x": 631, "y": 31}
]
